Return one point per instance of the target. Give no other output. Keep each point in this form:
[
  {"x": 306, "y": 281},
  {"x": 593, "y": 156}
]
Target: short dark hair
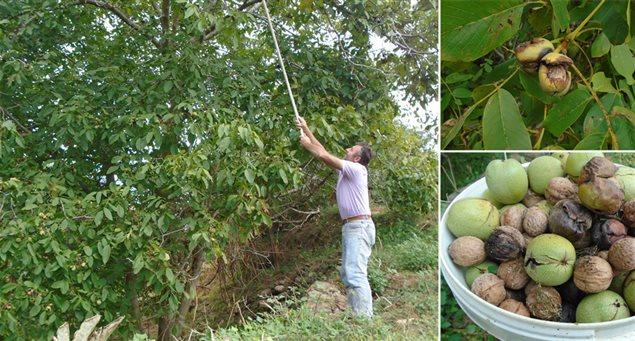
[{"x": 365, "y": 153}]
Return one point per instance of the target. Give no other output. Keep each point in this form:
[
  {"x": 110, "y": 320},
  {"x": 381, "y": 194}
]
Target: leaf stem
[
  {"x": 577, "y": 31},
  {"x": 542, "y": 130},
  {"x": 601, "y": 105},
  {"x": 496, "y": 88}
]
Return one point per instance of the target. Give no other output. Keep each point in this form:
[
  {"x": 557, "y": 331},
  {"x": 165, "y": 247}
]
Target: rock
[
  {"x": 279, "y": 289},
  {"x": 263, "y": 305},
  {"x": 404, "y": 322},
  {"x": 325, "y": 297}
]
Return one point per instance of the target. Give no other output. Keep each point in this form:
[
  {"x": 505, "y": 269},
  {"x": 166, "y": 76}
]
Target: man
[{"x": 358, "y": 231}]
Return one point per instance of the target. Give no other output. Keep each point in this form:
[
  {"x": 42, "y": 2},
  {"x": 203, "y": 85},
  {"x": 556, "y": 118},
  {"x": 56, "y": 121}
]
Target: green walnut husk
[
  {"x": 472, "y": 217},
  {"x": 562, "y": 156},
  {"x": 507, "y": 181},
  {"x": 617, "y": 284},
  {"x": 541, "y": 170},
  {"x": 575, "y": 162},
  {"x": 626, "y": 178},
  {"x": 601, "y": 307},
  {"x": 555, "y": 79},
  {"x": 629, "y": 290},
  {"x": 487, "y": 195},
  {"x": 474, "y": 271},
  {"x": 531, "y": 52},
  {"x": 549, "y": 259}
]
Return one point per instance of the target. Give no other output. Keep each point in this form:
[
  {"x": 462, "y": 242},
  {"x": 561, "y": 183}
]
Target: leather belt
[{"x": 357, "y": 217}]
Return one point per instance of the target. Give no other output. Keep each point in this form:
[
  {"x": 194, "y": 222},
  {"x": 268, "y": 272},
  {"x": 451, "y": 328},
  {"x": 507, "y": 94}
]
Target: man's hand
[
  {"x": 301, "y": 124},
  {"x": 305, "y": 141}
]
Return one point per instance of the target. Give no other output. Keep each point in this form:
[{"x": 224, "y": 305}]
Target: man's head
[{"x": 359, "y": 153}]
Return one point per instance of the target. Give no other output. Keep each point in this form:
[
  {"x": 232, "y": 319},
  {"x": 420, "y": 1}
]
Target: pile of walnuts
[{"x": 555, "y": 241}]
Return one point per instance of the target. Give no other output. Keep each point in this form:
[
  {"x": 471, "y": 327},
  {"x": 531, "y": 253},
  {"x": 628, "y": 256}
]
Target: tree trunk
[{"x": 190, "y": 288}]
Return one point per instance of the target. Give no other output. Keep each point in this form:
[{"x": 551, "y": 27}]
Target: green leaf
[
  {"x": 594, "y": 122},
  {"x": 137, "y": 264},
  {"x": 62, "y": 285},
  {"x": 564, "y": 113},
  {"x": 190, "y": 11},
  {"x": 624, "y": 62},
  {"x": 169, "y": 275},
  {"x": 625, "y": 112},
  {"x": 35, "y": 309},
  {"x": 104, "y": 251},
  {"x": 470, "y": 31},
  {"x": 108, "y": 214},
  {"x": 462, "y": 93},
  {"x": 595, "y": 141},
  {"x": 601, "y": 83},
  {"x": 112, "y": 169},
  {"x": 560, "y": 20},
  {"x": 624, "y": 132},
  {"x": 456, "y": 128},
  {"x": 503, "y": 127},
  {"x": 167, "y": 86},
  {"x": 283, "y": 176},
  {"x": 120, "y": 211},
  {"x": 99, "y": 216},
  {"x": 601, "y": 46},
  {"x": 456, "y": 78},
  {"x": 249, "y": 175},
  {"x": 88, "y": 250}
]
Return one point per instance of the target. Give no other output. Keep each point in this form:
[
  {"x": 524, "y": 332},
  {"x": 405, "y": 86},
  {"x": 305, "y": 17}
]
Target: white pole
[{"x": 284, "y": 71}]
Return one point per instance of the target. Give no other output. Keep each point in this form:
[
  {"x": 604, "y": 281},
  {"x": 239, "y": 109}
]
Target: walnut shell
[
  {"x": 544, "y": 303},
  {"x": 467, "y": 251},
  {"x": 602, "y": 195},
  {"x": 490, "y": 288},
  {"x": 605, "y": 232},
  {"x": 513, "y": 216},
  {"x": 628, "y": 216},
  {"x": 528, "y": 238},
  {"x": 531, "y": 285},
  {"x": 513, "y": 274},
  {"x": 535, "y": 221},
  {"x": 518, "y": 295},
  {"x": 505, "y": 243},
  {"x": 622, "y": 254},
  {"x": 570, "y": 293},
  {"x": 571, "y": 220},
  {"x": 560, "y": 188},
  {"x": 532, "y": 198},
  {"x": 592, "y": 274},
  {"x": 514, "y": 307},
  {"x": 598, "y": 166},
  {"x": 567, "y": 313}
]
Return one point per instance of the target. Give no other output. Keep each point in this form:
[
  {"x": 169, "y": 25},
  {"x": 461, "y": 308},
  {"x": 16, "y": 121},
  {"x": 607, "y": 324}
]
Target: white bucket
[{"x": 509, "y": 326}]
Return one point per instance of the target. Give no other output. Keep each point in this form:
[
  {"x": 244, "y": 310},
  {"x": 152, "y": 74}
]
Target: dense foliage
[
  {"x": 139, "y": 138},
  {"x": 490, "y": 102}
]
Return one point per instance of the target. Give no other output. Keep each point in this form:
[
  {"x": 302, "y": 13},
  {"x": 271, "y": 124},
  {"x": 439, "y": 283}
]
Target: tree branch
[
  {"x": 248, "y": 3},
  {"x": 212, "y": 31},
  {"x": 165, "y": 16},
  {"x": 116, "y": 11}
]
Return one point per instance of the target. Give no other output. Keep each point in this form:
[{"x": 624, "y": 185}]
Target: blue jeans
[{"x": 358, "y": 238}]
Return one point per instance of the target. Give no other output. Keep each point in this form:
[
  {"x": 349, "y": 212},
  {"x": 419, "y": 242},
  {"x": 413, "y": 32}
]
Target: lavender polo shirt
[{"x": 352, "y": 190}]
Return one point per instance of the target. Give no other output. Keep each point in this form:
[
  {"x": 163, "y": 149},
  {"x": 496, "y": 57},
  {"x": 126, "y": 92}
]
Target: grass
[{"x": 403, "y": 275}]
